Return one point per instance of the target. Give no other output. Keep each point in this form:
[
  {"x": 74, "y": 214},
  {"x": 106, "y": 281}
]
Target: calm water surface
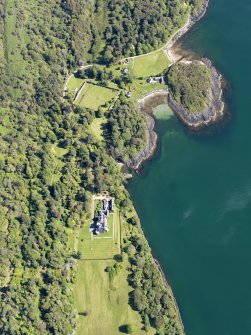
[{"x": 194, "y": 197}]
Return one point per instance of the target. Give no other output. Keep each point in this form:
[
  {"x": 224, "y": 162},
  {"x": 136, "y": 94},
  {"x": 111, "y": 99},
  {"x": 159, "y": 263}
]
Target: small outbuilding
[
  {"x": 124, "y": 71},
  {"x": 128, "y": 94},
  {"x": 156, "y": 80}
]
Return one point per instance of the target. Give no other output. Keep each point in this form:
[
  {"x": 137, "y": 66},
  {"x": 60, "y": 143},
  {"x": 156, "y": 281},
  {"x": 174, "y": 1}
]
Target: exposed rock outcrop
[{"x": 214, "y": 110}]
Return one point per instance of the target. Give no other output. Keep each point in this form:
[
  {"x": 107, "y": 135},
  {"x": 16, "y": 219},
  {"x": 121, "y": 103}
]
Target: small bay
[
  {"x": 162, "y": 112},
  {"x": 194, "y": 196}
]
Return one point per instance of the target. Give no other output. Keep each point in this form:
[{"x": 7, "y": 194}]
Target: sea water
[{"x": 194, "y": 196}]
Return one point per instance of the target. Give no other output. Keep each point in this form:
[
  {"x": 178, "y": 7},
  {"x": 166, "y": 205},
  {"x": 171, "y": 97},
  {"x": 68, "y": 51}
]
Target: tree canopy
[
  {"x": 190, "y": 85},
  {"x": 50, "y": 161},
  {"x": 126, "y": 131}
]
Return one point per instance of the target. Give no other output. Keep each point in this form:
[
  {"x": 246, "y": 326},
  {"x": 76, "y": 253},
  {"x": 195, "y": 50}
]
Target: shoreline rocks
[
  {"x": 169, "y": 288},
  {"x": 156, "y": 97},
  {"x": 150, "y": 147},
  {"x": 215, "y": 109},
  {"x": 183, "y": 30},
  {"x": 196, "y": 121}
]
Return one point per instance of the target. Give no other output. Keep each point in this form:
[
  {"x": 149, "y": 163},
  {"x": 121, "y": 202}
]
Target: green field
[
  {"x": 74, "y": 83},
  {"x": 151, "y": 64},
  {"x": 140, "y": 88},
  {"x": 96, "y": 127},
  {"x": 102, "y": 303},
  {"x": 106, "y": 303},
  {"x": 94, "y": 96}
]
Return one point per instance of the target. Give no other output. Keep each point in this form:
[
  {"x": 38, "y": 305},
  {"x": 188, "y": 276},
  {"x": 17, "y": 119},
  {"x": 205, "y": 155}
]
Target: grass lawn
[
  {"x": 139, "y": 88},
  {"x": 96, "y": 127},
  {"x": 103, "y": 246},
  {"x": 94, "y": 96},
  {"x": 107, "y": 305},
  {"x": 74, "y": 83},
  {"x": 104, "y": 301},
  {"x": 150, "y": 65}
]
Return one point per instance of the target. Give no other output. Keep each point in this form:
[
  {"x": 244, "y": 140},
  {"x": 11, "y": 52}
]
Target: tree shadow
[{"x": 123, "y": 329}]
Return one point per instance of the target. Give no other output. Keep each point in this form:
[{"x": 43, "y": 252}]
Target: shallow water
[
  {"x": 162, "y": 112},
  {"x": 194, "y": 196}
]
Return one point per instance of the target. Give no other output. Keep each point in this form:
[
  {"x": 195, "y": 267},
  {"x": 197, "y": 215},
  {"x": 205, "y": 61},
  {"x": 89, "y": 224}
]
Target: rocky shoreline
[
  {"x": 150, "y": 147},
  {"x": 191, "y": 22},
  {"x": 152, "y": 138},
  {"x": 169, "y": 288},
  {"x": 196, "y": 121},
  {"x": 215, "y": 109}
]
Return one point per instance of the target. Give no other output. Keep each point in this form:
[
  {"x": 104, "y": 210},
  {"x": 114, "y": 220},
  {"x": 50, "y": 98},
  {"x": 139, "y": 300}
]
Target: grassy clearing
[
  {"x": 57, "y": 163},
  {"x": 107, "y": 305},
  {"x": 74, "y": 83},
  {"x": 140, "y": 88},
  {"x": 102, "y": 246},
  {"x": 96, "y": 127},
  {"x": 57, "y": 151},
  {"x": 94, "y": 96},
  {"x": 151, "y": 64},
  {"x": 11, "y": 42}
]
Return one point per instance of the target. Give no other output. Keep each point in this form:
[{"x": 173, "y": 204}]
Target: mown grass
[
  {"x": 94, "y": 96},
  {"x": 96, "y": 127},
  {"x": 150, "y": 65},
  {"x": 102, "y": 302},
  {"x": 106, "y": 305},
  {"x": 140, "y": 88},
  {"x": 74, "y": 83}
]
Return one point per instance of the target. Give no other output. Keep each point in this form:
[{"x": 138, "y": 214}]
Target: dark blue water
[{"x": 194, "y": 197}]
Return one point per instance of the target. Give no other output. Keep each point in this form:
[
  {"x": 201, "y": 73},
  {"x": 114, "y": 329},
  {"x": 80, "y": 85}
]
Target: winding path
[{"x": 167, "y": 47}]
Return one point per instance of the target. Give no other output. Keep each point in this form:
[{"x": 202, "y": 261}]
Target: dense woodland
[
  {"x": 190, "y": 85},
  {"x": 150, "y": 296},
  {"x": 132, "y": 28},
  {"x": 126, "y": 133},
  {"x": 49, "y": 159}
]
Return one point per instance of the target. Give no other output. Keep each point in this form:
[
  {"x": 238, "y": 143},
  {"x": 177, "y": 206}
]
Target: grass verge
[{"x": 150, "y": 65}]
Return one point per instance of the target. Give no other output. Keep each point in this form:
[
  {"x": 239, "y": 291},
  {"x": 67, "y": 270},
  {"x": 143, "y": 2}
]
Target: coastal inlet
[{"x": 194, "y": 94}]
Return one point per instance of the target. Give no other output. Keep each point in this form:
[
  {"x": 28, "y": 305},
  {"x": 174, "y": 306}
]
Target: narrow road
[{"x": 166, "y": 47}]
